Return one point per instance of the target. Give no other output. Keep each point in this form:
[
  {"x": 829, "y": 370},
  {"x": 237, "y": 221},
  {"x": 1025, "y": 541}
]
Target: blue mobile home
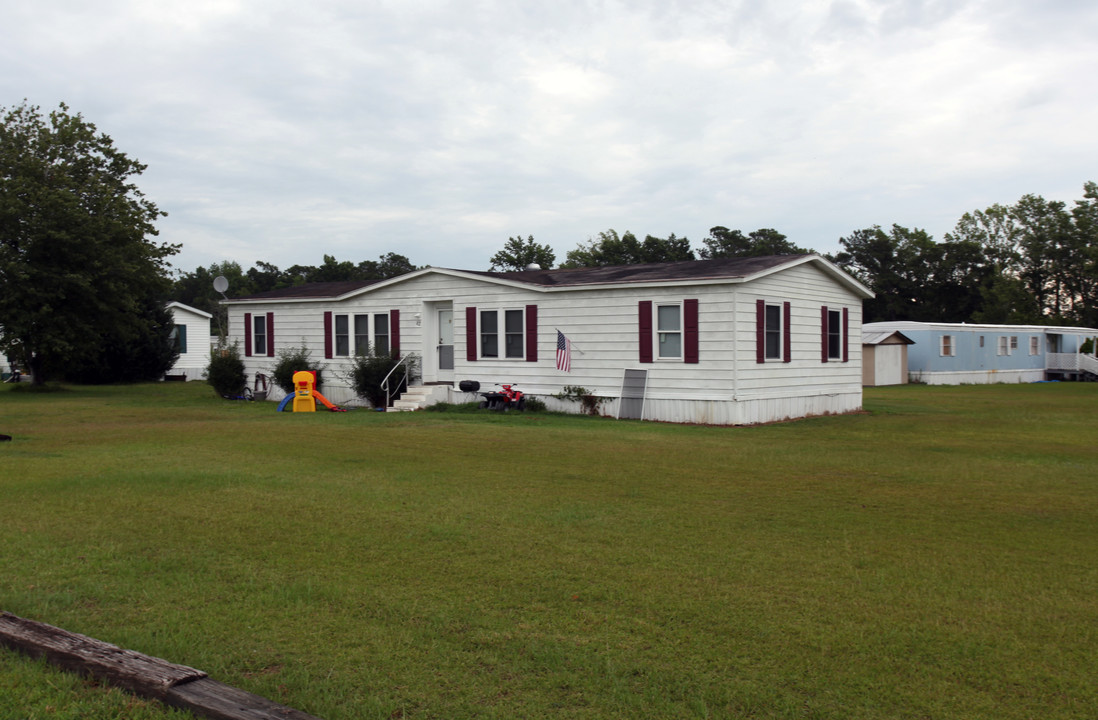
[{"x": 957, "y": 353}]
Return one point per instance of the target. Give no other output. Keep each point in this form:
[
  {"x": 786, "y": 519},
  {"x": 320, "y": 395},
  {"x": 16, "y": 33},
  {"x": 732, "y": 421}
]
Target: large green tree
[
  {"x": 723, "y": 242},
  {"x": 611, "y": 249},
  {"x": 518, "y": 254},
  {"x": 81, "y": 278}
]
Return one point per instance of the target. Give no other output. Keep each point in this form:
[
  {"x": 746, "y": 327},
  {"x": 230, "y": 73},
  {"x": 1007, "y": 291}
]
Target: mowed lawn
[{"x": 933, "y": 557}]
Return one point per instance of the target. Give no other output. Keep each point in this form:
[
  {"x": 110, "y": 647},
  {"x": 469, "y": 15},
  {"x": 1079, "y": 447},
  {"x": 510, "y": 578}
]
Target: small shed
[
  {"x": 191, "y": 334},
  {"x": 884, "y": 357}
]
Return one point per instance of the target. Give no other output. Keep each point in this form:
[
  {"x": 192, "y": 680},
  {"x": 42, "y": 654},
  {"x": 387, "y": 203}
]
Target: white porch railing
[
  {"x": 1071, "y": 362},
  {"x": 397, "y": 378}
]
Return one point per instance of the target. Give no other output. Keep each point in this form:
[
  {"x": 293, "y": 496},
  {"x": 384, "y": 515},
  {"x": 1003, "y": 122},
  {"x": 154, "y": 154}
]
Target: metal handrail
[{"x": 403, "y": 361}]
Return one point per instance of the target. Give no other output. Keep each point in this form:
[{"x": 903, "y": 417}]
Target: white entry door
[{"x": 445, "y": 326}]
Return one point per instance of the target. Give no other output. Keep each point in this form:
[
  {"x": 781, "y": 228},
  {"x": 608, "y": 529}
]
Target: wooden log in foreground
[{"x": 176, "y": 685}]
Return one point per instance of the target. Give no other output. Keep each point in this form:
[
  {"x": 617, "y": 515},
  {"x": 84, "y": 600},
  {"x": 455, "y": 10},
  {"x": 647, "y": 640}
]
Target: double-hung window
[
  {"x": 513, "y": 334},
  {"x": 342, "y": 335},
  {"x": 772, "y": 332},
  {"x": 508, "y": 333},
  {"x": 381, "y": 333},
  {"x": 489, "y": 333},
  {"x": 669, "y": 331},
  {"x": 1035, "y": 345},
  {"x": 1004, "y": 345},
  {"x": 362, "y": 334},
  {"x": 513, "y": 326},
  {"x": 346, "y": 335},
  {"x": 834, "y": 335},
  {"x": 946, "y": 348},
  {"x": 259, "y": 334}
]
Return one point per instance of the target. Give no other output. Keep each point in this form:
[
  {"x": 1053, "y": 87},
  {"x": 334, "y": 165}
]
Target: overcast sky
[{"x": 283, "y": 131}]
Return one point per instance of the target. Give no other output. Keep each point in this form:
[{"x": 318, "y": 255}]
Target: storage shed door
[{"x": 888, "y": 364}]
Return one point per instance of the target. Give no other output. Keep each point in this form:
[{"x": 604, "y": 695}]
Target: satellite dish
[{"x": 221, "y": 284}]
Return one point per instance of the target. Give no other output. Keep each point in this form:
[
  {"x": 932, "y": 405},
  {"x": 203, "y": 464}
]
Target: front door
[{"x": 445, "y": 326}]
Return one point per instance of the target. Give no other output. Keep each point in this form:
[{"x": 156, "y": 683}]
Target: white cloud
[{"x": 282, "y": 131}]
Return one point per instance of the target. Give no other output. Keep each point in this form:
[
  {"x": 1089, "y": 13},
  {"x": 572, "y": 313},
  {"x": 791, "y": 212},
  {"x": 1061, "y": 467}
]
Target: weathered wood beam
[{"x": 176, "y": 685}]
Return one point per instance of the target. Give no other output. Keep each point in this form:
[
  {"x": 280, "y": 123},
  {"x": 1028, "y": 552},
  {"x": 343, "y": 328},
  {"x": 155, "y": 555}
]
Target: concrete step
[{"x": 418, "y": 397}]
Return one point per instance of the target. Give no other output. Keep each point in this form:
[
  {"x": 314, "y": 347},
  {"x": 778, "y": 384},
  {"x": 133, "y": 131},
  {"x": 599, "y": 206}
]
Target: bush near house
[
  {"x": 290, "y": 361},
  {"x": 225, "y": 373}
]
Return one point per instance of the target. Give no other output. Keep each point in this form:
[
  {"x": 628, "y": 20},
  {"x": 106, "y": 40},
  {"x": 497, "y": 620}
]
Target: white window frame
[
  {"x": 947, "y": 346},
  {"x": 662, "y": 335},
  {"x": 835, "y": 330},
  {"x": 1035, "y": 345},
  {"x": 1013, "y": 344},
  {"x": 358, "y": 333},
  {"x": 1004, "y": 346},
  {"x": 779, "y": 330},
  {"x": 504, "y": 351},
  {"x": 259, "y": 334},
  {"x": 378, "y": 346},
  {"x": 343, "y": 334}
]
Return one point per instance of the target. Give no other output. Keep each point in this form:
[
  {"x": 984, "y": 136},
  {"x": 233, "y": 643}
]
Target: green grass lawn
[{"x": 934, "y": 557}]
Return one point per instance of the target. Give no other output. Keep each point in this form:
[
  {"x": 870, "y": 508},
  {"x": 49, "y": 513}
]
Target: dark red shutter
[
  {"x": 247, "y": 334},
  {"x": 394, "y": 331},
  {"x": 690, "y": 327},
  {"x": 328, "y": 334},
  {"x": 760, "y": 331},
  {"x": 644, "y": 323},
  {"x": 787, "y": 332},
  {"x": 270, "y": 334},
  {"x": 823, "y": 334},
  {"x": 471, "y": 334},
  {"x": 846, "y": 337},
  {"x": 531, "y": 333}
]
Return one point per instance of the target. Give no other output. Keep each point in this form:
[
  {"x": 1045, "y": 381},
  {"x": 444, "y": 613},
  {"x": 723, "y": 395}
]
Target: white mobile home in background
[
  {"x": 728, "y": 341},
  {"x": 192, "y": 334}
]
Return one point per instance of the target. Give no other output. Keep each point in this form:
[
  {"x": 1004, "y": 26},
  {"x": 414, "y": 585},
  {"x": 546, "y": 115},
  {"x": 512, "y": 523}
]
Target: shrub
[
  {"x": 575, "y": 393},
  {"x": 225, "y": 373},
  {"x": 367, "y": 373},
  {"x": 290, "y": 361},
  {"x": 534, "y": 405}
]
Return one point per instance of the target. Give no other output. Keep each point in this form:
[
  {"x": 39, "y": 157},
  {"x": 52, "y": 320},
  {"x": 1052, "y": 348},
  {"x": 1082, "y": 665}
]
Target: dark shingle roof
[
  {"x": 311, "y": 290},
  {"x": 719, "y": 269}
]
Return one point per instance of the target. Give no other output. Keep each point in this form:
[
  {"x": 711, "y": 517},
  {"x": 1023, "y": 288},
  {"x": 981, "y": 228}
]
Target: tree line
[
  {"x": 1033, "y": 262},
  {"x": 85, "y": 283}
]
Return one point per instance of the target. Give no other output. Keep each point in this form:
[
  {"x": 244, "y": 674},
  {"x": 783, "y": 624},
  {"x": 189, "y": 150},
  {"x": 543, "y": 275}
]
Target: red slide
[{"x": 324, "y": 401}]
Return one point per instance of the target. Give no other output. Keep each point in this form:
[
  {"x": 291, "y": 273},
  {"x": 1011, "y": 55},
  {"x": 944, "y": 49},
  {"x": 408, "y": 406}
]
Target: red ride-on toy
[{"x": 506, "y": 399}]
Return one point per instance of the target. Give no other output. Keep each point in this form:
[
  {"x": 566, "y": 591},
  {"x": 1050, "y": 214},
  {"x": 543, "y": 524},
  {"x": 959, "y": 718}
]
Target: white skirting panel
[
  {"x": 977, "y": 377},
  {"x": 700, "y": 412},
  {"x": 750, "y": 412}
]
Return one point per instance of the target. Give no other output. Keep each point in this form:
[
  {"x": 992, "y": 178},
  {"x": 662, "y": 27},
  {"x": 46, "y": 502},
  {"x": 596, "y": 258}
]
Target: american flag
[{"x": 564, "y": 352}]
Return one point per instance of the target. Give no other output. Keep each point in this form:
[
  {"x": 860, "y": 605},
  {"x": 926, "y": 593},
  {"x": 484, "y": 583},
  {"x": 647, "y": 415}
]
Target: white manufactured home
[
  {"x": 728, "y": 341},
  {"x": 192, "y": 335}
]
